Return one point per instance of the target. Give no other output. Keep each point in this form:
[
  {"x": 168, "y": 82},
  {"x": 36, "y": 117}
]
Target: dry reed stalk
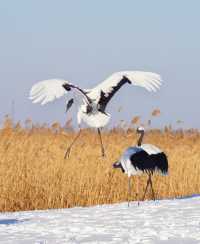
[{"x": 34, "y": 174}]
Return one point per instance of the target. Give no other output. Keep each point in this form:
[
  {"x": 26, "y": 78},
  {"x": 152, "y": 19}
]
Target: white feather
[
  {"x": 148, "y": 80},
  {"x": 126, "y": 162},
  {"x": 47, "y": 91},
  {"x": 150, "y": 149},
  {"x": 95, "y": 120}
]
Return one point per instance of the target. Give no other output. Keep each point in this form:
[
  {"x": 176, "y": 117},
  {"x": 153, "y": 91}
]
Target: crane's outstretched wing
[
  {"x": 49, "y": 90},
  {"x": 107, "y": 89}
]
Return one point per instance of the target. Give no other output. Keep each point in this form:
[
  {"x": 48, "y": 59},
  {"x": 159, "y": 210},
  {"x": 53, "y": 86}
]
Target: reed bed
[{"x": 34, "y": 174}]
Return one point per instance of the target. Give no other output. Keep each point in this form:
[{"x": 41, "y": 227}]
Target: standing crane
[
  {"x": 92, "y": 103},
  {"x": 143, "y": 158}
]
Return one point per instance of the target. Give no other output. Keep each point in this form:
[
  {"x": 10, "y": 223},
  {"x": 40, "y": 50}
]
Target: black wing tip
[{"x": 69, "y": 104}]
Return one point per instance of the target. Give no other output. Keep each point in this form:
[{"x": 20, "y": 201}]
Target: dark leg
[
  {"x": 69, "y": 148},
  {"x": 137, "y": 195},
  {"x": 153, "y": 193},
  {"x": 148, "y": 182},
  {"x": 129, "y": 190},
  {"x": 102, "y": 147}
]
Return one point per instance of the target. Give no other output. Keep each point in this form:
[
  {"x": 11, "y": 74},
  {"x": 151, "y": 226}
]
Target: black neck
[
  {"x": 140, "y": 138},
  {"x": 105, "y": 97},
  {"x": 81, "y": 91}
]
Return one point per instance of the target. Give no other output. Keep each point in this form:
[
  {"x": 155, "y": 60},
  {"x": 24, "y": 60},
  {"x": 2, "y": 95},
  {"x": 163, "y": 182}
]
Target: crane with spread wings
[{"x": 92, "y": 108}]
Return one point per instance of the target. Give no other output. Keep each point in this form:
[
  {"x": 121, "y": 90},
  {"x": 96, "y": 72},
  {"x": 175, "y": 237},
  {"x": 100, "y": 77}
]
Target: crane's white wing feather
[
  {"x": 148, "y": 80},
  {"x": 47, "y": 91},
  {"x": 150, "y": 149}
]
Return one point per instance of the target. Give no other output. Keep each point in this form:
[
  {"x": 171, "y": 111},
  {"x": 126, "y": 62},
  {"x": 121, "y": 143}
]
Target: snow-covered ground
[{"x": 165, "y": 221}]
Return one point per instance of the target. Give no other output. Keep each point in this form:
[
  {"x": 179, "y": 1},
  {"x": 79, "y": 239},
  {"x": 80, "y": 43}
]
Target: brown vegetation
[{"x": 34, "y": 174}]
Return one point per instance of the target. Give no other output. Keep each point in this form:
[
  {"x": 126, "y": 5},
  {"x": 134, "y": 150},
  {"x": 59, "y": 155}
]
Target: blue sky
[{"x": 86, "y": 41}]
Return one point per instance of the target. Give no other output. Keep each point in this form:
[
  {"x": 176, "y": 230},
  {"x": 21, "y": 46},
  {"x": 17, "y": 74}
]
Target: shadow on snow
[{"x": 12, "y": 221}]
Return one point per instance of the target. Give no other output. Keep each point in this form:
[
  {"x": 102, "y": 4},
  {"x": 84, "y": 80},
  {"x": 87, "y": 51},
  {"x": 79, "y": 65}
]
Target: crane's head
[
  {"x": 67, "y": 86},
  {"x": 140, "y": 129},
  {"x": 118, "y": 165}
]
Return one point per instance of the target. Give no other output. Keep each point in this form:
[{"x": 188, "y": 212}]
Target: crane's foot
[{"x": 136, "y": 196}]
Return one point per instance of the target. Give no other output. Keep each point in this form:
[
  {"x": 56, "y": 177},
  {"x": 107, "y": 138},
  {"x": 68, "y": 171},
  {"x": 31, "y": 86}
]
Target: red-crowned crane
[
  {"x": 92, "y": 103},
  {"x": 143, "y": 158}
]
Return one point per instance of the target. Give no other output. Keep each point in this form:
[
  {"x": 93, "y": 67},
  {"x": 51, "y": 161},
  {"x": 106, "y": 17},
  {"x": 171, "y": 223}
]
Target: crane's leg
[
  {"x": 148, "y": 182},
  {"x": 70, "y": 146},
  {"x": 153, "y": 193},
  {"x": 102, "y": 147},
  {"x": 137, "y": 190},
  {"x": 129, "y": 190}
]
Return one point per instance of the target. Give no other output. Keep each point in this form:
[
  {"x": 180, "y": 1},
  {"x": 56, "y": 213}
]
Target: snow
[{"x": 163, "y": 221}]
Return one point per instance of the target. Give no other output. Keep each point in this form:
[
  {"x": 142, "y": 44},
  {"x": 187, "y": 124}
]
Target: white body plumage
[
  {"x": 131, "y": 168},
  {"x": 95, "y": 119}
]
